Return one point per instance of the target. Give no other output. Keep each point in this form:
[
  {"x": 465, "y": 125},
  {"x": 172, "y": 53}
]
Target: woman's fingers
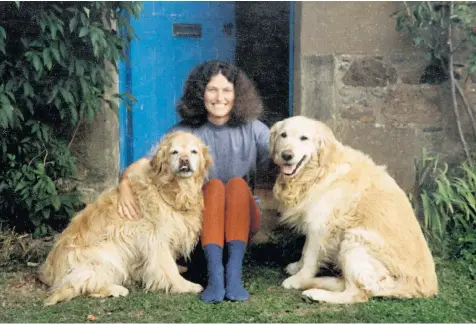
[
  {"x": 135, "y": 209},
  {"x": 121, "y": 210},
  {"x": 131, "y": 208},
  {"x": 125, "y": 210},
  {"x": 128, "y": 207}
]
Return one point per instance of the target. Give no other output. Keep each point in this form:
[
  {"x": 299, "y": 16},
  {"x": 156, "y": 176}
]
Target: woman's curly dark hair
[{"x": 191, "y": 107}]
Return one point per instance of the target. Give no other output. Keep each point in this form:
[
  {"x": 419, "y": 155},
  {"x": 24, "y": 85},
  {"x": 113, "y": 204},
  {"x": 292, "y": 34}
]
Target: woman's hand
[{"x": 128, "y": 207}]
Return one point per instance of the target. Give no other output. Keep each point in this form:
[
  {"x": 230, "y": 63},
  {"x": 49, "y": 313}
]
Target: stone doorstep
[
  {"x": 267, "y": 199},
  {"x": 269, "y": 218}
]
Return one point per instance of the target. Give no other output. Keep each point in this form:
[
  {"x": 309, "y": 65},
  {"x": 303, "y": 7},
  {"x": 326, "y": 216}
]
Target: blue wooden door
[{"x": 174, "y": 37}]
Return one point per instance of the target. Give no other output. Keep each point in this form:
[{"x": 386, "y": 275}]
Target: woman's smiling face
[{"x": 219, "y": 98}]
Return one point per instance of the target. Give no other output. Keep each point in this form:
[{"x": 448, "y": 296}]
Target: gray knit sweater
[{"x": 236, "y": 151}]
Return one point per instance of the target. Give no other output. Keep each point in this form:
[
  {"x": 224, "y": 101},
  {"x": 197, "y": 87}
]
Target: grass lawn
[{"x": 21, "y": 298}]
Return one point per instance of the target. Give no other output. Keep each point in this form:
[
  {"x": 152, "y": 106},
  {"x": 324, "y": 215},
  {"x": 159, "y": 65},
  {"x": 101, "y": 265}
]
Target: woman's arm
[
  {"x": 261, "y": 132},
  {"x": 266, "y": 172}
]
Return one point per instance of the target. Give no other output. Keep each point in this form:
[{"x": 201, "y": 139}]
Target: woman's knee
[
  {"x": 237, "y": 182},
  {"x": 213, "y": 186}
]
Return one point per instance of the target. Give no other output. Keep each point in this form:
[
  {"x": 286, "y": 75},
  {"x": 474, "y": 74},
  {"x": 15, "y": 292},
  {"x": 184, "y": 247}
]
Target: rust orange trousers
[{"x": 231, "y": 212}]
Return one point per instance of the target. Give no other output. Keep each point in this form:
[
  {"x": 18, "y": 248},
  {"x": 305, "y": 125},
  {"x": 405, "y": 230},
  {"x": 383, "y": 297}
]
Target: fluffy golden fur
[
  {"x": 354, "y": 216},
  {"x": 100, "y": 251}
]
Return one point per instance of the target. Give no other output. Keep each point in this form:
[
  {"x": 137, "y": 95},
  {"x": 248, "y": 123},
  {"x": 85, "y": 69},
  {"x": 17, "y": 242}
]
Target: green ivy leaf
[
  {"x": 53, "y": 29},
  {"x": 36, "y": 62},
  {"x": 53, "y": 94},
  {"x": 56, "y": 54},
  {"x": 36, "y": 221},
  {"x": 55, "y": 202},
  {"x": 80, "y": 68},
  {"x": 67, "y": 96},
  {"x": 45, "y": 213},
  {"x": 83, "y": 31},
  {"x": 73, "y": 23},
  {"x": 62, "y": 49},
  {"x": 3, "y": 34},
  {"x": 28, "y": 90},
  {"x": 47, "y": 59}
]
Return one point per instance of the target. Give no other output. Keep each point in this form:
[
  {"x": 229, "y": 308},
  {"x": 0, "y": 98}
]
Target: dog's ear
[
  {"x": 324, "y": 141},
  {"x": 273, "y": 133},
  {"x": 159, "y": 163}
]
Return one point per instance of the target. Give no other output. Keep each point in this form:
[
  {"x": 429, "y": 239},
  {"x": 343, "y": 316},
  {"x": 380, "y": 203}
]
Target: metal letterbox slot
[{"x": 187, "y": 30}]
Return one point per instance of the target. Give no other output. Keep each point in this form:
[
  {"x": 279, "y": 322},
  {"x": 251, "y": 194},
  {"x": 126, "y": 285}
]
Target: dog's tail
[
  {"x": 54, "y": 268},
  {"x": 61, "y": 294},
  {"x": 77, "y": 282}
]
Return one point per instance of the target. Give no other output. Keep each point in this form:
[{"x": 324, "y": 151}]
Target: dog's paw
[
  {"x": 182, "y": 269},
  {"x": 293, "y": 282},
  {"x": 111, "y": 291},
  {"x": 313, "y": 294},
  {"x": 118, "y": 291},
  {"x": 196, "y": 288},
  {"x": 293, "y": 268},
  {"x": 188, "y": 287},
  {"x": 50, "y": 301}
]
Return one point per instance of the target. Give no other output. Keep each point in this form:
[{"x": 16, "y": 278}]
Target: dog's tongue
[{"x": 288, "y": 169}]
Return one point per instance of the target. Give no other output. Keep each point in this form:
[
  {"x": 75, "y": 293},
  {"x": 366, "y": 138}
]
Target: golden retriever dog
[
  {"x": 354, "y": 216},
  {"x": 100, "y": 251}
]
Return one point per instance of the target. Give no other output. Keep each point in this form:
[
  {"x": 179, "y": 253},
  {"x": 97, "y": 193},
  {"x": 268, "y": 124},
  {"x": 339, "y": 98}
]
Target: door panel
[{"x": 160, "y": 62}]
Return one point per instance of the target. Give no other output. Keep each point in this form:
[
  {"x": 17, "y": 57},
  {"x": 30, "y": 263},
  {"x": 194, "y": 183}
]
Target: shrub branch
[{"x": 453, "y": 89}]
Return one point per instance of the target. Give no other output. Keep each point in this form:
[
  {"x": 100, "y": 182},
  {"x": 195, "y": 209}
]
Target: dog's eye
[
  {"x": 284, "y": 135},
  {"x": 194, "y": 152},
  {"x": 304, "y": 138},
  {"x": 174, "y": 152}
]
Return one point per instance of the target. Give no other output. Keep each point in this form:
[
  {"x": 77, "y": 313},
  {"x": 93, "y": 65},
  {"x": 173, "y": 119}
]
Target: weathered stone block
[
  {"x": 360, "y": 104},
  {"x": 397, "y": 148},
  {"x": 317, "y": 87},
  {"x": 418, "y": 105},
  {"x": 370, "y": 72},
  {"x": 97, "y": 147},
  {"x": 363, "y": 114},
  {"x": 409, "y": 68}
]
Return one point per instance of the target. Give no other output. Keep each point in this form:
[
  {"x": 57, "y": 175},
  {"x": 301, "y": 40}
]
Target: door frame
[
  {"x": 291, "y": 58},
  {"x": 125, "y": 114}
]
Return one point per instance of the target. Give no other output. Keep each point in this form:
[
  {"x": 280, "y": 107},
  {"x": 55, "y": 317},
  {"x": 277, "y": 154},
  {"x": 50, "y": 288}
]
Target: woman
[{"x": 221, "y": 106}]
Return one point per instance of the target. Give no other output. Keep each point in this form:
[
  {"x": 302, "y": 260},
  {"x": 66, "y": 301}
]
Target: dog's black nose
[
  {"x": 184, "y": 162},
  {"x": 287, "y": 155}
]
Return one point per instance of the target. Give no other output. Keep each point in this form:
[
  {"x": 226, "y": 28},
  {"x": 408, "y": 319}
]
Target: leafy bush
[
  {"x": 446, "y": 202},
  {"x": 56, "y": 60},
  {"x": 426, "y": 22}
]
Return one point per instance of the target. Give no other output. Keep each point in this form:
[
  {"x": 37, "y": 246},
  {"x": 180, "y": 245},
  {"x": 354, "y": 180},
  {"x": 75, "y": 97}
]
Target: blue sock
[
  {"x": 215, "y": 291},
  {"x": 234, "y": 287}
]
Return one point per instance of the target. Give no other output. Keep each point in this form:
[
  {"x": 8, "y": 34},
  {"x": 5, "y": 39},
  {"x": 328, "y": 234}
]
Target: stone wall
[
  {"x": 363, "y": 78},
  {"x": 96, "y": 145},
  {"x": 381, "y": 109}
]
